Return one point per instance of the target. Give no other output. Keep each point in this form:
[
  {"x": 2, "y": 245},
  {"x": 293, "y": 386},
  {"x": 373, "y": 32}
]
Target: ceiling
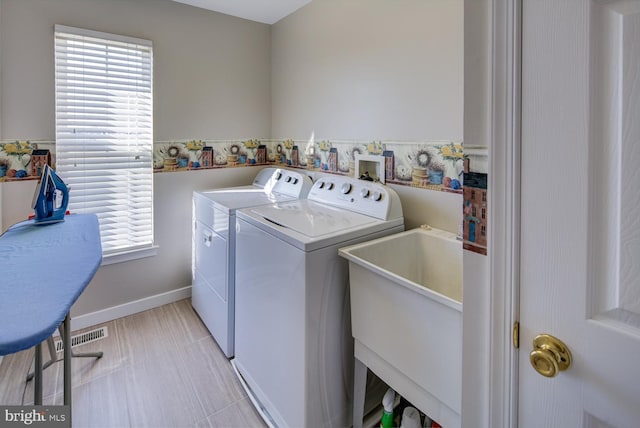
[{"x": 266, "y": 11}]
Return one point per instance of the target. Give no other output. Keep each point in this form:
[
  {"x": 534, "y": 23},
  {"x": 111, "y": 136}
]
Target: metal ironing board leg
[
  {"x": 78, "y": 354},
  {"x": 52, "y": 352},
  {"x": 37, "y": 387},
  {"x": 66, "y": 338}
]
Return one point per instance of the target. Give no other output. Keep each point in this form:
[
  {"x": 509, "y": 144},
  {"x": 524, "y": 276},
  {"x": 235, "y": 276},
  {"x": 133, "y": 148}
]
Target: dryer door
[{"x": 211, "y": 258}]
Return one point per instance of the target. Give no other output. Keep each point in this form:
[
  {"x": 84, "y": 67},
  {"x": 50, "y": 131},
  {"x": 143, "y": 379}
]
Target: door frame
[{"x": 504, "y": 206}]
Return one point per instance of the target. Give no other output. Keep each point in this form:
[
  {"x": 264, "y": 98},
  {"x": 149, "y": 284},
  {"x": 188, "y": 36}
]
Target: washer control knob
[
  {"x": 320, "y": 184},
  {"x": 329, "y": 186},
  {"x": 345, "y": 188},
  {"x": 288, "y": 179},
  {"x": 364, "y": 193},
  {"x": 278, "y": 175},
  {"x": 295, "y": 181},
  {"x": 377, "y": 196}
]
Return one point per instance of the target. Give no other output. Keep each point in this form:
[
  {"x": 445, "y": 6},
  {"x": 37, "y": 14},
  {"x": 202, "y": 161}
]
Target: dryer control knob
[
  {"x": 288, "y": 179},
  {"x": 295, "y": 181},
  {"x": 364, "y": 193},
  {"x": 320, "y": 184},
  {"x": 377, "y": 196},
  {"x": 345, "y": 188},
  {"x": 329, "y": 186},
  {"x": 278, "y": 176}
]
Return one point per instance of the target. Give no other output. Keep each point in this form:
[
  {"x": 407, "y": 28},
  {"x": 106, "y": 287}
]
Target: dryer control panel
[
  {"x": 364, "y": 197},
  {"x": 285, "y": 182}
]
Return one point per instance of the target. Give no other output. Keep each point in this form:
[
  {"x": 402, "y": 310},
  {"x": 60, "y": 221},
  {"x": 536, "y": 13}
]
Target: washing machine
[
  {"x": 294, "y": 348},
  {"x": 214, "y": 256}
]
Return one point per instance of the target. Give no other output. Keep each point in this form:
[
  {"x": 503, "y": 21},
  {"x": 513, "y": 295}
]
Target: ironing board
[{"x": 44, "y": 269}]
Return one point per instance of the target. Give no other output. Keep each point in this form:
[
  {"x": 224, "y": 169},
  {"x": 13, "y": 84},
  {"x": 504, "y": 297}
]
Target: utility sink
[{"x": 406, "y": 316}]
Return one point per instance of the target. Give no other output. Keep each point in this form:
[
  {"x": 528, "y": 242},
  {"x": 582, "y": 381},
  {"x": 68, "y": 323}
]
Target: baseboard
[{"x": 130, "y": 308}]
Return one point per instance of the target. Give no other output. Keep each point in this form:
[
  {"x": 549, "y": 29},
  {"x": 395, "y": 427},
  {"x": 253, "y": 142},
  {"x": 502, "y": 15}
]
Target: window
[{"x": 104, "y": 133}]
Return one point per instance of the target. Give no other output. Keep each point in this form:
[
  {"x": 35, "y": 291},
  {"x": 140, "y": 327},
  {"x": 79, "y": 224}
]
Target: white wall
[
  {"x": 476, "y": 288},
  {"x": 211, "y": 80},
  {"x": 357, "y": 69},
  {"x": 374, "y": 69},
  {"x": 1, "y": 87},
  {"x": 369, "y": 69},
  {"x": 1, "y": 228},
  {"x": 211, "y": 71}
]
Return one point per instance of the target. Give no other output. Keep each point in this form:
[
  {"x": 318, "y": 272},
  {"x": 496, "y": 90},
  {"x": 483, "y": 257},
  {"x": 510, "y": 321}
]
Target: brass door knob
[{"x": 550, "y": 355}]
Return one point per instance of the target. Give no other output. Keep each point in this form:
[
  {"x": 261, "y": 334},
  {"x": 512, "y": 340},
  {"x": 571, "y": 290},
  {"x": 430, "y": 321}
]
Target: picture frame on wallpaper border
[{"x": 370, "y": 167}]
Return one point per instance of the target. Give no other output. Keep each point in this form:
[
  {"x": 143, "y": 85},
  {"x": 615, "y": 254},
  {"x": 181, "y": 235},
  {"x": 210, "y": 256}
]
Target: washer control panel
[{"x": 365, "y": 197}]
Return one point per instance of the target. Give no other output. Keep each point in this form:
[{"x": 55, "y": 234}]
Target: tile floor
[{"x": 161, "y": 368}]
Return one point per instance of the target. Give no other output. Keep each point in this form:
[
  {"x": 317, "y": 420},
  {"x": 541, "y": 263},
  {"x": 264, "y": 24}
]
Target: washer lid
[
  {"x": 235, "y": 198},
  {"x": 312, "y": 219}
]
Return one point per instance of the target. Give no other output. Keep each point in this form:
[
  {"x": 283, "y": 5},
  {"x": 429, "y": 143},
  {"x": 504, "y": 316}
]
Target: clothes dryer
[
  {"x": 213, "y": 259},
  {"x": 294, "y": 348}
]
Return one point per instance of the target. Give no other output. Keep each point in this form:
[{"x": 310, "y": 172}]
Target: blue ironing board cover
[{"x": 43, "y": 271}]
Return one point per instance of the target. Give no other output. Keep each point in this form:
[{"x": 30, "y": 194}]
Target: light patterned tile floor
[{"x": 161, "y": 368}]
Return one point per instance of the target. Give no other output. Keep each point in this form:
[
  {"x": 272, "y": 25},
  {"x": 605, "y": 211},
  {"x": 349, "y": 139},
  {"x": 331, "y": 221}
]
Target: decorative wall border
[
  {"x": 475, "y": 218},
  {"x": 15, "y": 158},
  {"x": 433, "y": 165}
]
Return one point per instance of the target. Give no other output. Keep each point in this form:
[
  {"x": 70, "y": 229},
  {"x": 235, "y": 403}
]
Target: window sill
[{"x": 127, "y": 256}]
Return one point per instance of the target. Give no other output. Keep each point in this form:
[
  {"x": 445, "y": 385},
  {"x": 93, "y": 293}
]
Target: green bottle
[{"x": 387, "y": 413}]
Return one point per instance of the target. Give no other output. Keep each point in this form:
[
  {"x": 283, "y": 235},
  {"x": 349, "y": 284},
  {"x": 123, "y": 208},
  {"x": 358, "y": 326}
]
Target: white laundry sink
[{"x": 406, "y": 315}]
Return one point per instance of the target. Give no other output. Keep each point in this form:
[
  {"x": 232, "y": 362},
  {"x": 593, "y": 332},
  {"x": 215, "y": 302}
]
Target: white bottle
[{"x": 410, "y": 418}]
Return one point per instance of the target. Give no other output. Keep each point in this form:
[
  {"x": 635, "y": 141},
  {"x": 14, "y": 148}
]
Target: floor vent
[{"x": 84, "y": 338}]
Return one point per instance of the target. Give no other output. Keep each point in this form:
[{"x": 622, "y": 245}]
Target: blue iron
[{"x": 51, "y": 198}]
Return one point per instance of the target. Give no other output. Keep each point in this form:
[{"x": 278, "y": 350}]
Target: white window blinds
[{"x": 104, "y": 132}]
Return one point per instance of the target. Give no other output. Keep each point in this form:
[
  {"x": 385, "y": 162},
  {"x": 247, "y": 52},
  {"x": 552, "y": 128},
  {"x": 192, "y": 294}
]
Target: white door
[{"x": 580, "y": 241}]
